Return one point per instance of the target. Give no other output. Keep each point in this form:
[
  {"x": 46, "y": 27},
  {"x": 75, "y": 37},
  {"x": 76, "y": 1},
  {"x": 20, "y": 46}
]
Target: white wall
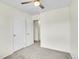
[
  {"x": 7, "y": 14},
  {"x": 55, "y": 29},
  {"x": 74, "y": 28}
]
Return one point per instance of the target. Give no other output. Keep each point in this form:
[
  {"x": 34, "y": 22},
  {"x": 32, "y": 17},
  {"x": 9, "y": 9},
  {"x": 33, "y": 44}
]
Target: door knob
[{"x": 14, "y": 35}]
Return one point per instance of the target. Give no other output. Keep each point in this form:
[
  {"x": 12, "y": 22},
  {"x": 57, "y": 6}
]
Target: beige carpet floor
[{"x": 36, "y": 52}]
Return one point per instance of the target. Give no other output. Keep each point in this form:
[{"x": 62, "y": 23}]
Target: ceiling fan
[{"x": 36, "y": 3}]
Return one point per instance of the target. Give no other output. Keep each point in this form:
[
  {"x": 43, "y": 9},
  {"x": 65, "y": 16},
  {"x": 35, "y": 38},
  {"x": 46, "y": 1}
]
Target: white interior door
[
  {"x": 36, "y": 31},
  {"x": 19, "y": 33}
]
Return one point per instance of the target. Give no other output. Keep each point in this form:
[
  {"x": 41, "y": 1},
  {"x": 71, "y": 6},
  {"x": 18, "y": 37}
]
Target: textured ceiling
[{"x": 31, "y": 9}]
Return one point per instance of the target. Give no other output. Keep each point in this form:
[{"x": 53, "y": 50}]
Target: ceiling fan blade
[
  {"x": 26, "y": 2},
  {"x": 37, "y": 0},
  {"x": 41, "y": 6}
]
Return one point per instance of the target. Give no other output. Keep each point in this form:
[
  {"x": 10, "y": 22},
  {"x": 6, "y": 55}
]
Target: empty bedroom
[{"x": 38, "y": 29}]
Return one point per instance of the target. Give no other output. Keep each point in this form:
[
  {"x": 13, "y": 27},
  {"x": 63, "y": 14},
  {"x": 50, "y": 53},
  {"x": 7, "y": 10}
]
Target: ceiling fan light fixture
[{"x": 36, "y": 3}]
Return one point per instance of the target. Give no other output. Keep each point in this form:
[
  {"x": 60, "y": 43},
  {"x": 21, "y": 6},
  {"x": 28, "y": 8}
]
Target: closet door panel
[{"x": 19, "y": 33}]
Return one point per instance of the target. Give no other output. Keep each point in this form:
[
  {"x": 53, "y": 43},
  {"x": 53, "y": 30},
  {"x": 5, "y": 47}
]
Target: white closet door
[{"x": 19, "y": 33}]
